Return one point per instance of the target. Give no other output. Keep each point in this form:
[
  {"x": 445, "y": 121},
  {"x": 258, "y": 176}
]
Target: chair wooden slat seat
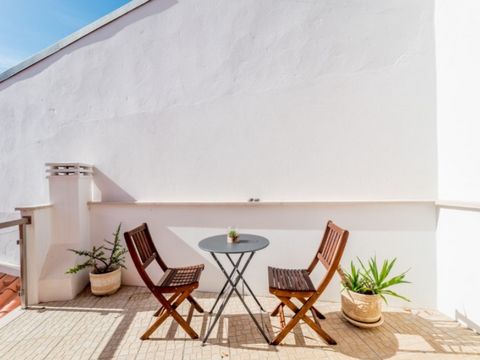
[
  {"x": 178, "y": 281},
  {"x": 175, "y": 278},
  {"x": 295, "y": 284},
  {"x": 296, "y": 280}
]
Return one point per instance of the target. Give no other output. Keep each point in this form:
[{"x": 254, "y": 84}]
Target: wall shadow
[{"x": 110, "y": 190}]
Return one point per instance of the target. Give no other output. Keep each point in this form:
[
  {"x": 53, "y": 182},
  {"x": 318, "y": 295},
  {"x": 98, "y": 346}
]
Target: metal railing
[{"x": 22, "y": 230}]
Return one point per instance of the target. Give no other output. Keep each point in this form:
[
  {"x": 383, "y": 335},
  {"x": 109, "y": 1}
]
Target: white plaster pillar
[
  {"x": 70, "y": 191},
  {"x": 37, "y": 243}
]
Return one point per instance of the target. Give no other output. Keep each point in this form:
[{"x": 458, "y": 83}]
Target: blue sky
[{"x": 28, "y": 26}]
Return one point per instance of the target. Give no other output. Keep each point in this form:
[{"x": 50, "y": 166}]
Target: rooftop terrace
[
  {"x": 179, "y": 113},
  {"x": 90, "y": 327}
]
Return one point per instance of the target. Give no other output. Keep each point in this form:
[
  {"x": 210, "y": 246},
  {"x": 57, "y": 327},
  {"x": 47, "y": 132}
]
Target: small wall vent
[{"x": 68, "y": 169}]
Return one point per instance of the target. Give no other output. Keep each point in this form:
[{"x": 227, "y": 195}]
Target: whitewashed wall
[
  {"x": 458, "y": 59},
  {"x": 225, "y": 100},
  {"x": 406, "y": 231},
  {"x": 458, "y": 252},
  {"x": 9, "y": 250}
]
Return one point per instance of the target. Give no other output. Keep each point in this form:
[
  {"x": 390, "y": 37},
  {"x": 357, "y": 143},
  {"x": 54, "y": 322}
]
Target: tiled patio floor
[{"x": 109, "y": 328}]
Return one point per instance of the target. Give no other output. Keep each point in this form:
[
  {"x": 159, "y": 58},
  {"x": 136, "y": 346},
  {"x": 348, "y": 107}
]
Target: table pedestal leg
[
  {"x": 248, "y": 287},
  {"x": 234, "y": 284},
  {"x": 226, "y": 283}
]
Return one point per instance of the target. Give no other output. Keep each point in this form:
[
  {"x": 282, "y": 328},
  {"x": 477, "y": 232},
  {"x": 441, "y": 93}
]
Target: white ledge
[
  {"x": 9, "y": 268},
  {"x": 32, "y": 207},
  {"x": 462, "y": 205},
  {"x": 260, "y": 203}
]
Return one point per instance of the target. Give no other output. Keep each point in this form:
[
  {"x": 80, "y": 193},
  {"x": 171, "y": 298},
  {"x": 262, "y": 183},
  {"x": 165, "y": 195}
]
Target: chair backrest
[
  {"x": 143, "y": 252},
  {"x": 330, "y": 252}
]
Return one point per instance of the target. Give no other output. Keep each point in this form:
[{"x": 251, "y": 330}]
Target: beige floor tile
[{"x": 89, "y": 327}]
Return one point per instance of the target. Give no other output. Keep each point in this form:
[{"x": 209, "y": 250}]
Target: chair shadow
[
  {"x": 238, "y": 331},
  {"x": 407, "y": 333},
  {"x": 400, "y": 333}
]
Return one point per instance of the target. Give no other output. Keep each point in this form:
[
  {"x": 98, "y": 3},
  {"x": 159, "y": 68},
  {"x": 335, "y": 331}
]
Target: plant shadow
[
  {"x": 123, "y": 317},
  {"x": 411, "y": 333}
]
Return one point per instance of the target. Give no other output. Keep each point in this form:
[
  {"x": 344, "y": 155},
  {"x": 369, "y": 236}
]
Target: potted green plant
[
  {"x": 232, "y": 235},
  {"x": 364, "y": 289},
  {"x": 106, "y": 262}
]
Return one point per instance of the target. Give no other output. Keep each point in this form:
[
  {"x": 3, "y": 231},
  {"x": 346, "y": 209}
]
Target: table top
[{"x": 246, "y": 243}]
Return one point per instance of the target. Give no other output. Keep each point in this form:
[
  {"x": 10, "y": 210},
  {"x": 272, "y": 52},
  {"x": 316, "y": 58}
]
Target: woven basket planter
[
  {"x": 106, "y": 284},
  {"x": 362, "y": 308}
]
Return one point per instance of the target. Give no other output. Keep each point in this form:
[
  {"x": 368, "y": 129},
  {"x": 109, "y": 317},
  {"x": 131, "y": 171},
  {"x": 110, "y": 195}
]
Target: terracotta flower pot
[
  {"x": 232, "y": 239},
  {"x": 362, "y": 308},
  {"x": 106, "y": 284}
]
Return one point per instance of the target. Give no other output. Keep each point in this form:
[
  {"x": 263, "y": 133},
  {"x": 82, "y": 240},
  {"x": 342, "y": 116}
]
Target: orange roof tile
[{"x": 9, "y": 297}]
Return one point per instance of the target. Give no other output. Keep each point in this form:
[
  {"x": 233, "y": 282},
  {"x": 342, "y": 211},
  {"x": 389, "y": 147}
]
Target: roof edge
[{"x": 70, "y": 39}]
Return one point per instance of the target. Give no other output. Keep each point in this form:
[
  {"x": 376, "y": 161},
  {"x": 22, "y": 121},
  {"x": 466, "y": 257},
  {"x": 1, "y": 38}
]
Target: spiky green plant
[
  {"x": 353, "y": 280},
  {"x": 370, "y": 279},
  {"x": 233, "y": 234},
  {"x": 102, "y": 259}
]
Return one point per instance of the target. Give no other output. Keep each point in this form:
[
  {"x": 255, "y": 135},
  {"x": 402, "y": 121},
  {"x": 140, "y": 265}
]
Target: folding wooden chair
[
  {"x": 288, "y": 284},
  {"x": 179, "y": 282}
]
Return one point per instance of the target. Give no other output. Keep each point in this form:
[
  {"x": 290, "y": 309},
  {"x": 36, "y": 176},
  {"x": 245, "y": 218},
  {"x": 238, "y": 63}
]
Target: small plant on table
[{"x": 232, "y": 236}]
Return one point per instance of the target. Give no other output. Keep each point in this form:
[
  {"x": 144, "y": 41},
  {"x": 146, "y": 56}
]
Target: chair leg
[
  {"x": 155, "y": 326},
  {"x": 162, "y": 308},
  {"x": 322, "y": 333},
  {"x": 318, "y": 313},
  {"x": 301, "y": 313},
  {"x": 281, "y": 313},
  {"x": 287, "y": 328},
  {"x": 169, "y": 309},
  {"x": 188, "y": 329},
  {"x": 277, "y": 309},
  {"x": 163, "y": 317},
  {"x": 195, "y": 304},
  {"x": 313, "y": 308},
  {"x": 315, "y": 325}
]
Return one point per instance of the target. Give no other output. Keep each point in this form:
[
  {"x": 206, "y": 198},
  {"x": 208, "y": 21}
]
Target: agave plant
[
  {"x": 354, "y": 280},
  {"x": 99, "y": 260},
  {"x": 371, "y": 280}
]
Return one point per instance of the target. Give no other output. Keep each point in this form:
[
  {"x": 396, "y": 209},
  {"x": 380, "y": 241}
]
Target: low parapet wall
[{"x": 401, "y": 229}]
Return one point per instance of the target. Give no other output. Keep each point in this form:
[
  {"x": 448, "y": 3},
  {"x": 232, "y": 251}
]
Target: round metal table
[{"x": 246, "y": 244}]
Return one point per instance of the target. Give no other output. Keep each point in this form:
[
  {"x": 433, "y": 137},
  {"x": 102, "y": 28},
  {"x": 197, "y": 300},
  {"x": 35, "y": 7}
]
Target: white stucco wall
[
  {"x": 405, "y": 231},
  {"x": 457, "y": 265},
  {"x": 458, "y": 56},
  {"x": 9, "y": 250},
  {"x": 225, "y": 100}
]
